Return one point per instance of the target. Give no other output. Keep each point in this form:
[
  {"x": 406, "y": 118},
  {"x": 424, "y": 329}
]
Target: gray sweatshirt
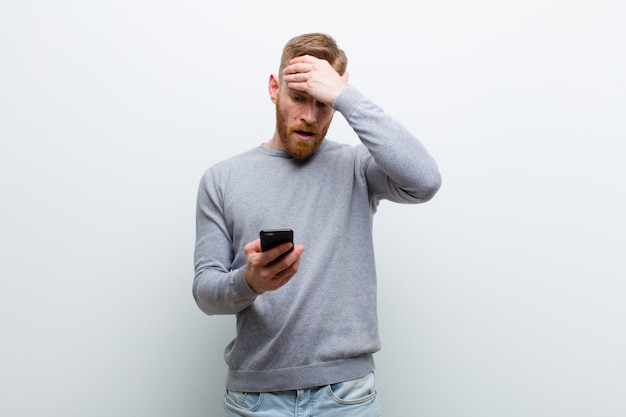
[{"x": 321, "y": 328}]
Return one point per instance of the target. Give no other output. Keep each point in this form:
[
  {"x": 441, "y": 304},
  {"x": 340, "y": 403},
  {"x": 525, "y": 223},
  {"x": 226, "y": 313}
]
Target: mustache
[{"x": 305, "y": 127}]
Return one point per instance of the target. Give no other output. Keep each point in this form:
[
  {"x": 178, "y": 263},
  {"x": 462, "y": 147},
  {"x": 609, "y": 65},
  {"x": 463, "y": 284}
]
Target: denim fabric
[{"x": 355, "y": 398}]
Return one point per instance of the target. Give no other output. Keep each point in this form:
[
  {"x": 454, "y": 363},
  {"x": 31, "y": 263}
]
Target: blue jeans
[{"x": 355, "y": 398}]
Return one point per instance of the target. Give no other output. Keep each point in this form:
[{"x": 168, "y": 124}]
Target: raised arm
[{"x": 403, "y": 170}]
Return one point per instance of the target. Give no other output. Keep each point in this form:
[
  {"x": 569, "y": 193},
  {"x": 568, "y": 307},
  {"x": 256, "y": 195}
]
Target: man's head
[
  {"x": 318, "y": 45},
  {"x": 301, "y": 120}
]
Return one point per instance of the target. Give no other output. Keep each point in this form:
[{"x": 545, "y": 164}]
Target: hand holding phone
[{"x": 269, "y": 277}]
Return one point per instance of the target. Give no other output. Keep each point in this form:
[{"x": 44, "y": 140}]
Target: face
[{"x": 301, "y": 122}]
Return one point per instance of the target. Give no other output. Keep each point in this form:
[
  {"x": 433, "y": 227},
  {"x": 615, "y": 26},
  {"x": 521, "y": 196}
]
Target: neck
[{"x": 275, "y": 142}]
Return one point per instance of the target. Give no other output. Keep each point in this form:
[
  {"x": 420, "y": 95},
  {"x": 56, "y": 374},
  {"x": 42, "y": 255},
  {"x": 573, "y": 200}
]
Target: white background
[{"x": 503, "y": 296}]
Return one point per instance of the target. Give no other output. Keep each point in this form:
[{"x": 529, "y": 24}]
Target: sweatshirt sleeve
[
  {"x": 400, "y": 168},
  {"x": 217, "y": 288}
]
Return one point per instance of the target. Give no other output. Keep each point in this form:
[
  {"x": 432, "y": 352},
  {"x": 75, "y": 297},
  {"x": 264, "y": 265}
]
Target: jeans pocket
[
  {"x": 248, "y": 401},
  {"x": 355, "y": 391}
]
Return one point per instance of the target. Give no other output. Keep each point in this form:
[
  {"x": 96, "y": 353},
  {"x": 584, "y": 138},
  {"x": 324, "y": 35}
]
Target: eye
[
  {"x": 321, "y": 105},
  {"x": 297, "y": 98}
]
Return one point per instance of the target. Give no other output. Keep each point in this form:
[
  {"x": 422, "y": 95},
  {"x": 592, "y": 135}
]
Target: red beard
[{"x": 299, "y": 149}]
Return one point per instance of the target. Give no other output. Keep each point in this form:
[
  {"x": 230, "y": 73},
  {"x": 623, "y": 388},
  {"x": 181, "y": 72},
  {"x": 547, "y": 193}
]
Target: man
[{"x": 307, "y": 324}]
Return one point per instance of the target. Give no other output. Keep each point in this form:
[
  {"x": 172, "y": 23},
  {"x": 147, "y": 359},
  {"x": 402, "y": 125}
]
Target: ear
[{"x": 273, "y": 87}]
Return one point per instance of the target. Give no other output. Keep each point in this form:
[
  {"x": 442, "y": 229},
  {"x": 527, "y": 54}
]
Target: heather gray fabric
[{"x": 321, "y": 328}]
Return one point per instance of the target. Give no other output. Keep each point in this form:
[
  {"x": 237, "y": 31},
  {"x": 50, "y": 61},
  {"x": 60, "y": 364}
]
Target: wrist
[{"x": 248, "y": 281}]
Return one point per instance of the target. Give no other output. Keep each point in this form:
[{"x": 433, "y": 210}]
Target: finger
[
  {"x": 284, "y": 281},
  {"x": 297, "y": 69},
  {"x": 301, "y": 87},
  {"x": 304, "y": 59},
  {"x": 295, "y": 265},
  {"x": 286, "y": 266},
  {"x": 276, "y": 252},
  {"x": 297, "y": 78},
  {"x": 283, "y": 278},
  {"x": 252, "y": 247}
]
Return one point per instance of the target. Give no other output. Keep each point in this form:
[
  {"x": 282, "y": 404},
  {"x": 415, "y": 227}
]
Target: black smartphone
[{"x": 273, "y": 237}]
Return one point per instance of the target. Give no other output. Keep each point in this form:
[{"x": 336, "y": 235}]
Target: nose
[{"x": 309, "y": 113}]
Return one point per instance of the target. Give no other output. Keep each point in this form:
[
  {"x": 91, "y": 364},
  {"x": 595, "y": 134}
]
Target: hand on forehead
[
  {"x": 315, "y": 77},
  {"x": 306, "y": 63}
]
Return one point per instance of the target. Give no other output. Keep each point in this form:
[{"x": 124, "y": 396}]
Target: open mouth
[{"x": 304, "y": 134}]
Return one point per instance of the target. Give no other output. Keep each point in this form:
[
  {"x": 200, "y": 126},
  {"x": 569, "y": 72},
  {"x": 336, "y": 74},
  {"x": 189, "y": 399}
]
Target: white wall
[{"x": 504, "y": 296}]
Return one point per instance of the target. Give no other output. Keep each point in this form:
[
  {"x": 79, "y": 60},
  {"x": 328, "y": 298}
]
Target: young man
[{"x": 306, "y": 324}]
